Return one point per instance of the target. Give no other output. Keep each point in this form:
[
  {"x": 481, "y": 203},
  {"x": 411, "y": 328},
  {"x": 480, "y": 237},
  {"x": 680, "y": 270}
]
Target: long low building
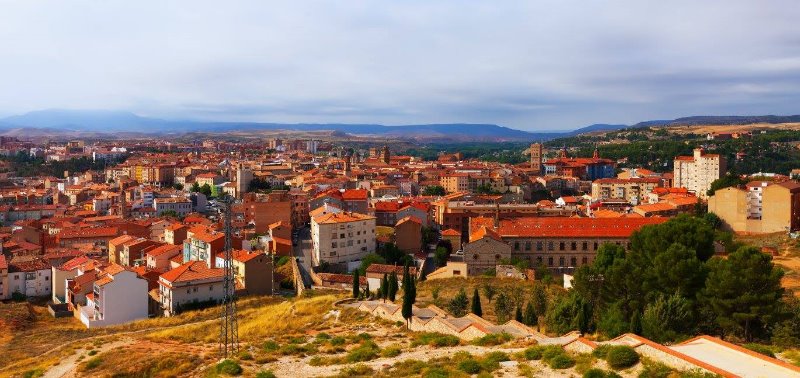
[{"x": 562, "y": 244}]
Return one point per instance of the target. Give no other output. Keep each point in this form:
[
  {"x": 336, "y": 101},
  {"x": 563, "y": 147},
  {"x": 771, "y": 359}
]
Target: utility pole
[{"x": 229, "y": 329}]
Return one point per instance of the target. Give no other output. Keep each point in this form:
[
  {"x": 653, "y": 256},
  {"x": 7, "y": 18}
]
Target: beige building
[
  {"x": 698, "y": 171},
  {"x": 536, "y": 158},
  {"x": 180, "y": 206},
  {"x": 779, "y": 210},
  {"x": 341, "y": 237},
  {"x": 485, "y": 250},
  {"x": 633, "y": 190}
]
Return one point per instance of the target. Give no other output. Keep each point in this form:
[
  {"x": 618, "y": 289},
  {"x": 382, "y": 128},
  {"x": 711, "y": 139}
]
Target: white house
[
  {"x": 30, "y": 278},
  {"x": 119, "y": 296},
  {"x": 191, "y": 283},
  {"x": 341, "y": 237}
]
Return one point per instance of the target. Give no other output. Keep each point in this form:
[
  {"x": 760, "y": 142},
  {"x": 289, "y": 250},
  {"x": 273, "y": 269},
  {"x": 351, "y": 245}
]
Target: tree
[
  {"x": 458, "y": 305},
  {"x": 489, "y": 291},
  {"x": 503, "y": 308},
  {"x": 668, "y": 318},
  {"x": 713, "y": 220},
  {"x": 355, "y": 284},
  {"x": 539, "y": 299},
  {"x": 440, "y": 256},
  {"x": 787, "y": 332},
  {"x": 178, "y": 186},
  {"x": 393, "y": 286},
  {"x": 393, "y": 255},
  {"x": 368, "y": 260},
  {"x": 413, "y": 286},
  {"x": 196, "y": 187},
  {"x": 569, "y": 312},
  {"x": 206, "y": 190},
  {"x": 385, "y": 287},
  {"x": 530, "y": 318},
  {"x": 408, "y": 295},
  {"x": 433, "y": 190},
  {"x": 724, "y": 182},
  {"x": 169, "y": 213},
  {"x": 743, "y": 292},
  {"x": 476, "y": 303},
  {"x": 518, "y": 314},
  {"x": 612, "y": 321}
]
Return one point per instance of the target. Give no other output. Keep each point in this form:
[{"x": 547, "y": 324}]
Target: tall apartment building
[
  {"x": 342, "y": 237},
  {"x": 698, "y": 171},
  {"x": 634, "y": 190},
  {"x": 536, "y": 157},
  {"x": 243, "y": 178}
]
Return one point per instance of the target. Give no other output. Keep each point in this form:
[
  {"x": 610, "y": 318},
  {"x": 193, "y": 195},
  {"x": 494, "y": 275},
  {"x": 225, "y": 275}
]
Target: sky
[{"x": 531, "y": 65}]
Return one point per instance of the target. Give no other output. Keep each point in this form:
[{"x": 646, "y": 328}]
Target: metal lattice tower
[{"x": 229, "y": 328}]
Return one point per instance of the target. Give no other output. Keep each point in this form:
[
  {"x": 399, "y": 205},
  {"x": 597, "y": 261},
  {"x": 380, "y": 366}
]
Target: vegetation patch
[
  {"x": 435, "y": 339},
  {"x": 492, "y": 339},
  {"x": 621, "y": 357},
  {"x": 228, "y": 367}
]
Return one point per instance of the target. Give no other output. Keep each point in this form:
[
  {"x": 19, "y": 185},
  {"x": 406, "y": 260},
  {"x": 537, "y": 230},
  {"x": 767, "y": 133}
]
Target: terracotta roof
[
  {"x": 3, "y": 263},
  {"x": 409, "y": 219},
  {"x": 241, "y": 255},
  {"x": 88, "y": 232},
  {"x": 164, "y": 249},
  {"x": 450, "y": 232},
  {"x": 567, "y": 227},
  {"x": 341, "y": 278},
  {"x": 74, "y": 263},
  {"x": 387, "y": 206},
  {"x": 354, "y": 194},
  {"x": 341, "y": 218},
  {"x": 388, "y": 269},
  {"x": 192, "y": 271}
]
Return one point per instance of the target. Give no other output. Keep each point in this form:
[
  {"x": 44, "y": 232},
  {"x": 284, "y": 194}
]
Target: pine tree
[
  {"x": 355, "y": 284},
  {"x": 476, "y": 303},
  {"x": 413, "y": 286},
  {"x": 385, "y": 287},
  {"x": 408, "y": 296},
  {"x": 393, "y": 286},
  {"x": 530, "y": 318},
  {"x": 489, "y": 291},
  {"x": 458, "y": 305}
]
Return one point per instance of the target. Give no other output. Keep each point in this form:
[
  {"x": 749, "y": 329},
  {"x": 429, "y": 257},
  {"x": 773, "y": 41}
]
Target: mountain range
[{"x": 105, "y": 123}]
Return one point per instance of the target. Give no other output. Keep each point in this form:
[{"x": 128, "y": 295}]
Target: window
[
  {"x": 595, "y": 246},
  {"x": 549, "y": 261},
  {"x": 497, "y": 257},
  {"x": 585, "y": 246},
  {"x": 561, "y": 246},
  {"x": 333, "y": 245},
  {"x": 349, "y": 243},
  {"x": 475, "y": 256},
  {"x": 550, "y": 246},
  {"x": 516, "y": 246},
  {"x": 574, "y": 261},
  {"x": 539, "y": 246},
  {"x": 561, "y": 261},
  {"x": 527, "y": 245},
  {"x": 585, "y": 260},
  {"x": 341, "y": 236}
]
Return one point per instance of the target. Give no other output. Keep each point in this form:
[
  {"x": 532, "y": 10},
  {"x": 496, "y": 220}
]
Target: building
[
  {"x": 342, "y": 237},
  {"x": 584, "y": 168},
  {"x": 243, "y": 178},
  {"x": 375, "y": 272},
  {"x": 633, "y": 190},
  {"x": 485, "y": 250},
  {"x": 253, "y": 270},
  {"x": 4, "y": 294},
  {"x": 562, "y": 244},
  {"x": 119, "y": 296},
  {"x": 192, "y": 283},
  {"x": 536, "y": 158},
  {"x": 408, "y": 235},
  {"x": 739, "y": 208},
  {"x": 30, "y": 278},
  {"x": 697, "y": 172},
  {"x": 181, "y": 206}
]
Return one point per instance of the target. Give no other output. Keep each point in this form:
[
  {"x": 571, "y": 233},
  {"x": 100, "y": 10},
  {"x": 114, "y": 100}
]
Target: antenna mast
[{"x": 229, "y": 330}]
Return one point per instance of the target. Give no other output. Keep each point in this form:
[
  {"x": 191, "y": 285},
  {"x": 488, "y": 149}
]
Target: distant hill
[
  {"x": 597, "y": 127},
  {"x": 720, "y": 120}
]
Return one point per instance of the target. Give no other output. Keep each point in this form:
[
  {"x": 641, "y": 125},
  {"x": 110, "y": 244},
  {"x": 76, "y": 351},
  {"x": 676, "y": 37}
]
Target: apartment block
[{"x": 698, "y": 171}]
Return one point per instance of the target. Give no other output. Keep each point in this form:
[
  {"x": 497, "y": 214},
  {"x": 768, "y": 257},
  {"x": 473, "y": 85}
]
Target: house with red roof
[
  {"x": 253, "y": 270},
  {"x": 192, "y": 283},
  {"x": 119, "y": 296},
  {"x": 30, "y": 278}
]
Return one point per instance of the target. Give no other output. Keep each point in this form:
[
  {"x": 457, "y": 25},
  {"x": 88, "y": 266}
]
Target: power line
[{"x": 229, "y": 329}]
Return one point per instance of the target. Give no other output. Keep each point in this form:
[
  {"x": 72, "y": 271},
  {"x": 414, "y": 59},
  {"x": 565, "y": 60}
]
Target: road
[{"x": 302, "y": 251}]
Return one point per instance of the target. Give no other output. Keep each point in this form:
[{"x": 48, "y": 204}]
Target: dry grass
[
  {"x": 152, "y": 360},
  {"x": 448, "y": 288}
]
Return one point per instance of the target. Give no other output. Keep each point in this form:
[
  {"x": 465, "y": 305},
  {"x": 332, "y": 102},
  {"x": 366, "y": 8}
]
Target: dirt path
[{"x": 68, "y": 367}]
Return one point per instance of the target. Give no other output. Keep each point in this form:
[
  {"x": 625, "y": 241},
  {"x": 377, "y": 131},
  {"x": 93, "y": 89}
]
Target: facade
[
  {"x": 31, "y": 278},
  {"x": 633, "y": 190},
  {"x": 119, "y": 296},
  {"x": 192, "y": 282},
  {"x": 698, "y": 171},
  {"x": 4, "y": 294},
  {"x": 536, "y": 158},
  {"x": 584, "y": 168},
  {"x": 253, "y": 270},
  {"x": 180, "y": 206},
  {"x": 484, "y": 251},
  {"x": 779, "y": 207},
  {"x": 342, "y": 237},
  {"x": 408, "y": 235}
]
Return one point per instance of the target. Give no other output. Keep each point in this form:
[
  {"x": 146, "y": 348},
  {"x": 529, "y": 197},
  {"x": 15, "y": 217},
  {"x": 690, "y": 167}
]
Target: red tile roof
[
  {"x": 3, "y": 263},
  {"x": 192, "y": 271},
  {"x": 556, "y": 227},
  {"x": 354, "y": 194}
]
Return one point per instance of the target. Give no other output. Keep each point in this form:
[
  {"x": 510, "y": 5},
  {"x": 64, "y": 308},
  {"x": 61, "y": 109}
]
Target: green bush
[
  {"x": 601, "y": 351},
  {"x": 245, "y": 356},
  {"x": 435, "y": 339},
  {"x": 271, "y": 346},
  {"x": 758, "y": 348},
  {"x": 533, "y": 353},
  {"x": 655, "y": 370},
  {"x": 228, "y": 367},
  {"x": 561, "y": 361},
  {"x": 622, "y": 356},
  {"x": 435, "y": 372},
  {"x": 492, "y": 339},
  {"x": 36, "y": 373},
  {"x": 368, "y": 350},
  {"x": 491, "y": 361},
  {"x": 594, "y": 373},
  {"x": 338, "y": 340},
  {"x": 323, "y": 336},
  {"x": 92, "y": 352},
  {"x": 391, "y": 352},
  {"x": 265, "y": 374},
  {"x": 551, "y": 351},
  {"x": 469, "y": 366},
  {"x": 92, "y": 363},
  {"x": 359, "y": 370}
]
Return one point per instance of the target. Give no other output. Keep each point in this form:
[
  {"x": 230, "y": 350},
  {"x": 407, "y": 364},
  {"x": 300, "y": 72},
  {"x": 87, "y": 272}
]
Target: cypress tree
[
  {"x": 408, "y": 295},
  {"x": 393, "y": 286},
  {"x": 476, "y": 303},
  {"x": 518, "y": 314},
  {"x": 355, "y": 284},
  {"x": 385, "y": 287},
  {"x": 530, "y": 318}
]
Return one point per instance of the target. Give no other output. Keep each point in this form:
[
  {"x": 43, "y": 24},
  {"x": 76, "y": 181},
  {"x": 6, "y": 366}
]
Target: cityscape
[{"x": 211, "y": 209}]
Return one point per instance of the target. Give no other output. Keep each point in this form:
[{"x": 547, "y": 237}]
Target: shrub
[
  {"x": 594, "y": 373},
  {"x": 92, "y": 363},
  {"x": 359, "y": 370},
  {"x": 491, "y": 361},
  {"x": 492, "y": 339},
  {"x": 391, "y": 352},
  {"x": 551, "y": 351},
  {"x": 228, "y": 367},
  {"x": 622, "y": 356},
  {"x": 271, "y": 346},
  {"x": 338, "y": 340},
  {"x": 265, "y": 374},
  {"x": 323, "y": 336},
  {"x": 758, "y": 348},
  {"x": 533, "y": 353},
  {"x": 469, "y": 366},
  {"x": 601, "y": 351},
  {"x": 435, "y": 372},
  {"x": 36, "y": 373},
  {"x": 435, "y": 339},
  {"x": 316, "y": 361},
  {"x": 92, "y": 352},
  {"x": 561, "y": 361},
  {"x": 368, "y": 350},
  {"x": 245, "y": 356},
  {"x": 655, "y": 370}
]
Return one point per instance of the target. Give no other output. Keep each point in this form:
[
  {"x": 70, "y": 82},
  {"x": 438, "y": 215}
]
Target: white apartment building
[
  {"x": 31, "y": 278},
  {"x": 119, "y": 296},
  {"x": 341, "y": 237},
  {"x": 192, "y": 282},
  {"x": 181, "y": 206},
  {"x": 697, "y": 172}
]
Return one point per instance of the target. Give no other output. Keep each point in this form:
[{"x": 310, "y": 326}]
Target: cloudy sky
[{"x": 533, "y": 65}]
